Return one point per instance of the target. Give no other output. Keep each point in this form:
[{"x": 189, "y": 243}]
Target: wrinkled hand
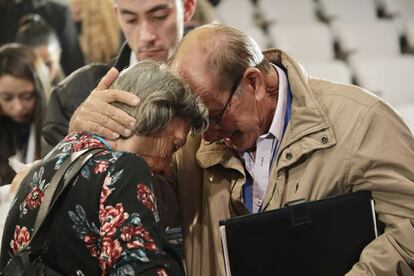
[{"x": 97, "y": 115}]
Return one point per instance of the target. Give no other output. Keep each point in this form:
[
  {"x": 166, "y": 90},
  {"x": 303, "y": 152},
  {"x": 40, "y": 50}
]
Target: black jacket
[{"x": 70, "y": 93}]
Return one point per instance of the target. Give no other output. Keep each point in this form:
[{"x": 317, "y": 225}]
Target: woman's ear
[{"x": 253, "y": 80}]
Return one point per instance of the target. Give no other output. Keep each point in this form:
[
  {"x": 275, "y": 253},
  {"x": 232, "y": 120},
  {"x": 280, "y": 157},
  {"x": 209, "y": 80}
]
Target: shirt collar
[
  {"x": 132, "y": 59},
  {"x": 276, "y": 128}
]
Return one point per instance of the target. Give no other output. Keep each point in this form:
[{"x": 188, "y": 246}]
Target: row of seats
[
  {"x": 349, "y": 41},
  {"x": 244, "y": 15}
]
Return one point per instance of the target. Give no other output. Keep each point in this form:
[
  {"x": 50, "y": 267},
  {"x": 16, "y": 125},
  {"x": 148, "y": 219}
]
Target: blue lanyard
[{"x": 102, "y": 140}]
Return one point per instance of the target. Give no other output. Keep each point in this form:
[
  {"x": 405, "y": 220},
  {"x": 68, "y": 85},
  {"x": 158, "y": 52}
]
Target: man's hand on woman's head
[{"x": 97, "y": 115}]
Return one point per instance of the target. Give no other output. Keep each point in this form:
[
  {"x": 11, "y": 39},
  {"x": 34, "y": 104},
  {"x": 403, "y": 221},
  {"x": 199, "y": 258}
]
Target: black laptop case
[{"x": 321, "y": 238}]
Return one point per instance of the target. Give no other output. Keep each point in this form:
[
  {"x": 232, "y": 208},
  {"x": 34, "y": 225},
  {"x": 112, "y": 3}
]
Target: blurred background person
[
  {"x": 204, "y": 14},
  {"x": 99, "y": 31},
  {"x": 36, "y": 33},
  {"x": 22, "y": 106},
  {"x": 56, "y": 15}
]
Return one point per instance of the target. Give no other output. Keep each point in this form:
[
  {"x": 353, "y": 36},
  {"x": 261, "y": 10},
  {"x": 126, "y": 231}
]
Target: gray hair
[{"x": 163, "y": 96}]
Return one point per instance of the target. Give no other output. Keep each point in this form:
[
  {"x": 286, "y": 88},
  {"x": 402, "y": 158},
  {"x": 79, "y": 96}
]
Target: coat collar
[
  {"x": 210, "y": 154},
  {"x": 307, "y": 116}
]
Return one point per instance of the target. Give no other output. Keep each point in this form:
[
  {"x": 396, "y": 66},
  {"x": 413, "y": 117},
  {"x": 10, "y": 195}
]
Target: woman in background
[
  {"x": 22, "y": 106},
  {"x": 36, "y": 33}
]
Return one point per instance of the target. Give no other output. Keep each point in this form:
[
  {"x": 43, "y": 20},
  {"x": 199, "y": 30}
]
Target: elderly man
[{"x": 277, "y": 135}]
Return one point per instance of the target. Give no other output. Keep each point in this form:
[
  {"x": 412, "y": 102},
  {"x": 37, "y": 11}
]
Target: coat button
[
  {"x": 324, "y": 139},
  {"x": 288, "y": 156}
]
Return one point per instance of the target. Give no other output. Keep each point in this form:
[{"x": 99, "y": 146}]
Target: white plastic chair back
[
  {"x": 348, "y": 10},
  {"x": 281, "y": 11},
  {"x": 306, "y": 41},
  {"x": 369, "y": 39},
  {"x": 390, "y": 78}
]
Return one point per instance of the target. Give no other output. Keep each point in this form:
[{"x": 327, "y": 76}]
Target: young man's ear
[{"x": 189, "y": 9}]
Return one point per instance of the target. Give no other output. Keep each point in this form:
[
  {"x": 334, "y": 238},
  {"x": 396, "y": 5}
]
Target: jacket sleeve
[
  {"x": 65, "y": 99},
  {"x": 55, "y": 126},
  {"x": 382, "y": 161}
]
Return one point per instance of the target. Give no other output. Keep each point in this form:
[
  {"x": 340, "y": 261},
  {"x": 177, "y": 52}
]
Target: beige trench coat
[{"x": 340, "y": 139}]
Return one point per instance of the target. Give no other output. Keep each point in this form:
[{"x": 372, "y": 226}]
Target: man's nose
[{"x": 147, "y": 32}]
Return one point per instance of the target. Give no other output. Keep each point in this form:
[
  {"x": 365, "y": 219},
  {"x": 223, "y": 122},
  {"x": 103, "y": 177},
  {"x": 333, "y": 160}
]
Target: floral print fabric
[{"x": 105, "y": 224}]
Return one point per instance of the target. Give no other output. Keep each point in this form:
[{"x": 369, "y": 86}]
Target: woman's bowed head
[
  {"x": 166, "y": 114},
  {"x": 22, "y": 106}
]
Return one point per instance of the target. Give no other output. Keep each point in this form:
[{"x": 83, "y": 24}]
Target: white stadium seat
[
  {"x": 390, "y": 78},
  {"x": 398, "y": 8},
  {"x": 369, "y": 39},
  {"x": 281, "y": 11},
  {"x": 236, "y": 13},
  {"x": 348, "y": 10},
  {"x": 306, "y": 41},
  {"x": 409, "y": 33}
]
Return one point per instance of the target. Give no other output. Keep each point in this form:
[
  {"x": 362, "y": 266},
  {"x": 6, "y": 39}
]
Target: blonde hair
[{"x": 100, "y": 36}]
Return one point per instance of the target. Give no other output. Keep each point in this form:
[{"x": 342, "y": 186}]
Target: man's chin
[{"x": 156, "y": 56}]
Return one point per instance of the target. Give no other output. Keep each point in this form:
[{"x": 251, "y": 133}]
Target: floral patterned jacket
[{"x": 104, "y": 223}]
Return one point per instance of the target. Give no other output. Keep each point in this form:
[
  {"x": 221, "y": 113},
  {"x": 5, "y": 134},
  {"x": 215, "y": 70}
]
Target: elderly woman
[{"x": 106, "y": 223}]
